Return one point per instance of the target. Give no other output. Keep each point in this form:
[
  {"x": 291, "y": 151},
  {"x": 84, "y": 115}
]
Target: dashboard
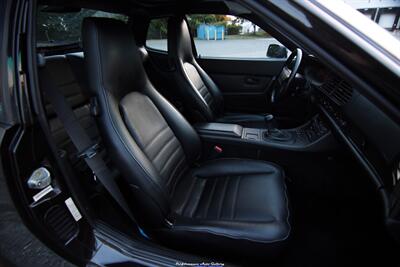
[{"x": 366, "y": 130}]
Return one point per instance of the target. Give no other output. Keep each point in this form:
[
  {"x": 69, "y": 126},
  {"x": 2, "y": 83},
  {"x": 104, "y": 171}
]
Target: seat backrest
[
  {"x": 149, "y": 140},
  {"x": 202, "y": 97}
]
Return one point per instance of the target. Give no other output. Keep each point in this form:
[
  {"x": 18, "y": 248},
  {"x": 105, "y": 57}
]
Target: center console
[{"x": 311, "y": 136}]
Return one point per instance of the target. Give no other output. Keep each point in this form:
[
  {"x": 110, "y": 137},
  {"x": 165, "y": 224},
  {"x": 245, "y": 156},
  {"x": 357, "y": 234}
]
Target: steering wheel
[{"x": 281, "y": 85}]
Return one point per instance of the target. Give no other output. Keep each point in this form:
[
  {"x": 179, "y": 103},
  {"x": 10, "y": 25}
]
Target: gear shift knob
[{"x": 269, "y": 121}]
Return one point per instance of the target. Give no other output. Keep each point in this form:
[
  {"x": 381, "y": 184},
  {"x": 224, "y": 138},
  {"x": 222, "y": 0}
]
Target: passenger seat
[
  {"x": 201, "y": 96},
  {"x": 223, "y": 206}
]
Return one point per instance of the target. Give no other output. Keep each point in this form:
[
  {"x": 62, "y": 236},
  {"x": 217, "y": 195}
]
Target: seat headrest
[
  {"x": 179, "y": 40},
  {"x": 112, "y": 59}
]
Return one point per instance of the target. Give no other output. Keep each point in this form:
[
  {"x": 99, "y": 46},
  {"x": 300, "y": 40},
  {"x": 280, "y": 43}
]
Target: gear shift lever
[
  {"x": 272, "y": 132},
  {"x": 269, "y": 121}
]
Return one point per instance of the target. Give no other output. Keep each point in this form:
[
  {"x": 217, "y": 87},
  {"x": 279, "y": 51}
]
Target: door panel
[
  {"x": 234, "y": 53},
  {"x": 243, "y": 82}
]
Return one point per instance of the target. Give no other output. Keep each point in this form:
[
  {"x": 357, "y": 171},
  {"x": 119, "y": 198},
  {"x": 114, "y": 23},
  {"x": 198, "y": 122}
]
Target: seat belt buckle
[{"x": 89, "y": 152}]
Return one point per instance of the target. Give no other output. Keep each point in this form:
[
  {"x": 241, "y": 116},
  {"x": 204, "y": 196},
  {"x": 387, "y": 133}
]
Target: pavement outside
[{"x": 239, "y": 48}]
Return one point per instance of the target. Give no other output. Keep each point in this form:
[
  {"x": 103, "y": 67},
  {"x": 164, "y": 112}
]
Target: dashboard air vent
[{"x": 338, "y": 91}]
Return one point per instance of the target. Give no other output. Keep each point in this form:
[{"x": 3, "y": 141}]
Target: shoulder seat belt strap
[{"x": 81, "y": 140}]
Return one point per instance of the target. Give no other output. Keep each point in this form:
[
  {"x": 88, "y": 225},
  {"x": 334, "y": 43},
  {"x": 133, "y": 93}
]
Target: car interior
[{"x": 239, "y": 160}]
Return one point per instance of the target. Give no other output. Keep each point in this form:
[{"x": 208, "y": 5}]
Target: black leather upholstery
[
  {"x": 235, "y": 199},
  {"x": 202, "y": 97},
  {"x": 219, "y": 204}
]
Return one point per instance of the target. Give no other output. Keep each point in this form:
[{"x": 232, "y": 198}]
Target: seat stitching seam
[
  {"x": 188, "y": 195},
  {"x": 201, "y": 195},
  {"x": 203, "y": 91},
  {"x": 170, "y": 158},
  {"x": 208, "y": 98},
  {"x": 231, "y": 236},
  {"x": 197, "y": 203},
  {"x": 250, "y": 239},
  {"x": 156, "y": 136},
  {"x": 235, "y": 198},
  {"x": 202, "y": 88},
  {"x": 164, "y": 147},
  {"x": 209, "y": 199},
  {"x": 192, "y": 85},
  {"x": 175, "y": 170},
  {"x": 178, "y": 180},
  {"x": 223, "y": 197}
]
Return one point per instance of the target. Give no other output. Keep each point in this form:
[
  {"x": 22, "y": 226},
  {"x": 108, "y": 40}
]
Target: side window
[
  {"x": 225, "y": 36},
  {"x": 55, "y": 29},
  {"x": 157, "y": 34}
]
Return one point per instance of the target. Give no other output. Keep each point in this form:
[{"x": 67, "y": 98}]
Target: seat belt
[{"x": 81, "y": 140}]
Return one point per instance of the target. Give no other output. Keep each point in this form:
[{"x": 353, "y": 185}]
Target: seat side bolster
[{"x": 236, "y": 167}]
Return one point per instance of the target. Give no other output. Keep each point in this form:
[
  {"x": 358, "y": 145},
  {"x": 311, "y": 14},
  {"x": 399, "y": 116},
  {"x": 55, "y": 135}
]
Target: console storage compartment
[
  {"x": 311, "y": 136},
  {"x": 219, "y": 129}
]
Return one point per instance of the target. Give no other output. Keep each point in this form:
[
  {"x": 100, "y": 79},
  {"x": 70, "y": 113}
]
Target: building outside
[
  {"x": 248, "y": 27},
  {"x": 210, "y": 32},
  {"x": 386, "y": 13}
]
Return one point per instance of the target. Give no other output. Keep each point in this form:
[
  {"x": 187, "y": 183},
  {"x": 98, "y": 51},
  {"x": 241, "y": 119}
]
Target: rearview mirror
[{"x": 276, "y": 51}]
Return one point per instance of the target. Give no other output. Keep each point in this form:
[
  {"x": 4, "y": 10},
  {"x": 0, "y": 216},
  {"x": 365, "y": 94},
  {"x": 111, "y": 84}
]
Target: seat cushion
[
  {"x": 230, "y": 201},
  {"x": 243, "y": 119}
]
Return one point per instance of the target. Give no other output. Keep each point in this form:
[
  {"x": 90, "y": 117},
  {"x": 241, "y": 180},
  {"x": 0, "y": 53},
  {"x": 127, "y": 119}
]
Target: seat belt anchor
[
  {"x": 89, "y": 152},
  {"x": 94, "y": 107}
]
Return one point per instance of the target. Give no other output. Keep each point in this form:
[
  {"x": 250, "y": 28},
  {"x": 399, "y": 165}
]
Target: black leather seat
[
  {"x": 219, "y": 205},
  {"x": 201, "y": 96}
]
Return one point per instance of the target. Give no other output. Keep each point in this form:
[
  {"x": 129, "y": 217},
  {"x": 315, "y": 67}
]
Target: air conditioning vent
[
  {"x": 61, "y": 223},
  {"x": 338, "y": 91}
]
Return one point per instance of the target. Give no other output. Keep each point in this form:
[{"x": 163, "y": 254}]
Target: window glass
[
  {"x": 157, "y": 34},
  {"x": 229, "y": 37},
  {"x": 65, "y": 28}
]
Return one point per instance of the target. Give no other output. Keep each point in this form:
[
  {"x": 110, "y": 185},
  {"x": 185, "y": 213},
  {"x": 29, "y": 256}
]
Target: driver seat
[{"x": 201, "y": 96}]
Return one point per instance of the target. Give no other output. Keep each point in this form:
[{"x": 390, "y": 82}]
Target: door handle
[{"x": 251, "y": 80}]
